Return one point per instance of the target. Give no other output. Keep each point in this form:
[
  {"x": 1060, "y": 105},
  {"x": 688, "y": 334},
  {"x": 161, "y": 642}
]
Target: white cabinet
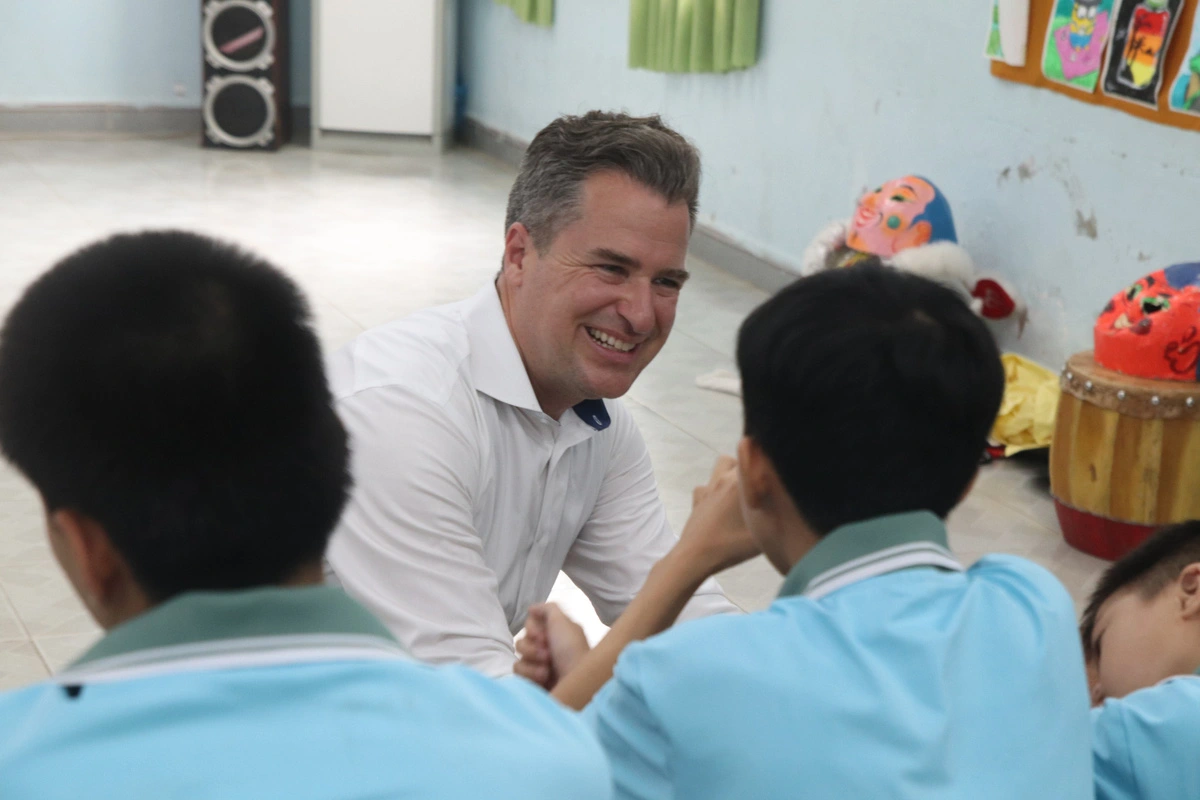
[{"x": 383, "y": 67}]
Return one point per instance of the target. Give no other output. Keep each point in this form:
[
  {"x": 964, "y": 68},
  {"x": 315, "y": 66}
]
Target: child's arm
[
  {"x": 1113, "y": 767},
  {"x": 714, "y": 539}
]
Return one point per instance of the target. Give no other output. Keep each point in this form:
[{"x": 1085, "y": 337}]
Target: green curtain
[
  {"x": 539, "y": 12},
  {"x": 693, "y": 35}
]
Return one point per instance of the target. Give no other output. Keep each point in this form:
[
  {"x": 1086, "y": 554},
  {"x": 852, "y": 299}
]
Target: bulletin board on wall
[{"x": 1041, "y": 16}]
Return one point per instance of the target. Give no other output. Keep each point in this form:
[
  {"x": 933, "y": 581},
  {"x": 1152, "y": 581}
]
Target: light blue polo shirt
[
  {"x": 1147, "y": 744},
  {"x": 884, "y": 669},
  {"x": 284, "y": 693}
]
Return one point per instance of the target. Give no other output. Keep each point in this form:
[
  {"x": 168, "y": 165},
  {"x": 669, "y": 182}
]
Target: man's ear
[
  {"x": 1188, "y": 587},
  {"x": 95, "y": 568},
  {"x": 755, "y": 473},
  {"x": 518, "y": 245}
]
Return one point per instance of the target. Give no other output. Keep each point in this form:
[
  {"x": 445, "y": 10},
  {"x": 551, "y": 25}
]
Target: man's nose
[{"x": 637, "y": 307}]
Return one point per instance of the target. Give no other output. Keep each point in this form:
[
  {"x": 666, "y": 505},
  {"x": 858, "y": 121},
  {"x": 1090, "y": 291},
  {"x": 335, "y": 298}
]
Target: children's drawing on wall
[
  {"x": 1185, "y": 89},
  {"x": 1141, "y": 34},
  {"x": 1075, "y": 42},
  {"x": 1008, "y": 37}
]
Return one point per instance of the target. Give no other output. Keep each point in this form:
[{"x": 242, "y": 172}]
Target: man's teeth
[{"x": 610, "y": 342}]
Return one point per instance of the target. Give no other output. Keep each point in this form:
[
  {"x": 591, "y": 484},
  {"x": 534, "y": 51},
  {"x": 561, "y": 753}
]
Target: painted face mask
[
  {"x": 902, "y": 213},
  {"x": 1152, "y": 329}
]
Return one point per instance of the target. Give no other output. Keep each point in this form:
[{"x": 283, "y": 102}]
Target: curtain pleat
[
  {"x": 537, "y": 12},
  {"x": 693, "y": 35}
]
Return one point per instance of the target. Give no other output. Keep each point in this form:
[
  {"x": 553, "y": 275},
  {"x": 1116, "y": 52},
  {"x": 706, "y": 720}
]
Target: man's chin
[
  {"x": 610, "y": 387},
  {"x": 608, "y": 392}
]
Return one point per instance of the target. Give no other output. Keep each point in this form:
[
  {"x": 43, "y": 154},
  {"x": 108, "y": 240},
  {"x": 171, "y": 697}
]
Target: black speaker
[{"x": 247, "y": 105}]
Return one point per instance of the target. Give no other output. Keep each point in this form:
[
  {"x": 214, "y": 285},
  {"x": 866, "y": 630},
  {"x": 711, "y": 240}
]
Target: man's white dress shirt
[{"x": 469, "y": 500}]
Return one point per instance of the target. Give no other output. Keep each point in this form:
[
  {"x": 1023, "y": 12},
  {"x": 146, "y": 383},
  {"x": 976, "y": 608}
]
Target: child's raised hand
[{"x": 716, "y": 534}]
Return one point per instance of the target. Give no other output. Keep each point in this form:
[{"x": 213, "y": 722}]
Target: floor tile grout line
[
  {"x": 41, "y": 656},
  {"x": 1019, "y": 509},
  {"x": 345, "y": 316},
  {"x": 16, "y": 614},
  {"x": 691, "y": 436}
]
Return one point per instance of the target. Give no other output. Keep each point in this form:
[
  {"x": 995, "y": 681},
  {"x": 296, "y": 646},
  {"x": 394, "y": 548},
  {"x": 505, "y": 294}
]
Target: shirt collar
[
  {"x": 866, "y": 549},
  {"x": 205, "y": 622},
  {"x": 496, "y": 366}
]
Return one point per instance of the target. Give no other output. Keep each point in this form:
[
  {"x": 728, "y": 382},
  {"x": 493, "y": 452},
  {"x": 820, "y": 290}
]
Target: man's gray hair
[{"x": 547, "y": 193}]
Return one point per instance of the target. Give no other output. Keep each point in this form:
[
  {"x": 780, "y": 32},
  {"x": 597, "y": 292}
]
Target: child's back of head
[
  {"x": 168, "y": 389},
  {"x": 872, "y": 391}
]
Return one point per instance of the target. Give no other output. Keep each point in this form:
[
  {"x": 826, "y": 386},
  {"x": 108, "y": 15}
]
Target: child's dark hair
[
  {"x": 1149, "y": 568},
  {"x": 871, "y": 390},
  {"x": 170, "y": 387}
]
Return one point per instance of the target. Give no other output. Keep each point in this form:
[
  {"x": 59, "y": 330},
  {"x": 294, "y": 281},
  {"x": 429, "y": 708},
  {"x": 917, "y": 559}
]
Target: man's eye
[
  {"x": 612, "y": 268},
  {"x": 899, "y": 198},
  {"x": 669, "y": 283}
]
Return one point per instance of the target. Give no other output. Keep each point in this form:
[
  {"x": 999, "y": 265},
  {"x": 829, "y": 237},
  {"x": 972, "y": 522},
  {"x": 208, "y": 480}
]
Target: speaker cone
[{"x": 239, "y": 111}]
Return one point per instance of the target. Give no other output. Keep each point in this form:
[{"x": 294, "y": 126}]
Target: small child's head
[
  {"x": 868, "y": 392},
  {"x": 165, "y": 395},
  {"x": 1142, "y": 623}
]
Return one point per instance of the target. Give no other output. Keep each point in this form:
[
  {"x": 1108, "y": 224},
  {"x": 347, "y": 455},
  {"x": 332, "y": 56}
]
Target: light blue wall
[
  {"x": 852, "y": 93},
  {"x": 126, "y": 52}
]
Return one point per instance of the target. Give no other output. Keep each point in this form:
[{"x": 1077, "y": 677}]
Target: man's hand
[
  {"x": 534, "y": 650},
  {"x": 716, "y": 536},
  {"x": 553, "y": 645}
]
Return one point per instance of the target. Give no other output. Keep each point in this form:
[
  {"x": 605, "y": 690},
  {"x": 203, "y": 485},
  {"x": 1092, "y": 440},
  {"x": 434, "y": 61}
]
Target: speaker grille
[
  {"x": 239, "y": 111},
  {"x": 239, "y": 35}
]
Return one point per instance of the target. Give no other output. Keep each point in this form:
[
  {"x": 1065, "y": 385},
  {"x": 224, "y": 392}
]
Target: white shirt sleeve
[
  {"x": 406, "y": 546},
  {"x": 628, "y": 533}
]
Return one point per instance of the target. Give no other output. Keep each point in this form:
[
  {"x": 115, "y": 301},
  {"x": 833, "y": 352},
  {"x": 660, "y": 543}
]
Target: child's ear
[
  {"x": 754, "y": 470},
  {"x": 1189, "y": 591}
]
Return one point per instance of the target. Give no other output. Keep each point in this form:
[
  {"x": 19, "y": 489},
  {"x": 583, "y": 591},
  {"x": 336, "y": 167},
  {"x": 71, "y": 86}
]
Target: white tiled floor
[{"x": 371, "y": 238}]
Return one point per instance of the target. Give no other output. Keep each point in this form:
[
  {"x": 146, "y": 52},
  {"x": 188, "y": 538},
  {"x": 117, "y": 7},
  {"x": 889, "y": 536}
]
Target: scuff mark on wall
[
  {"x": 1061, "y": 169},
  {"x": 1086, "y": 226},
  {"x": 1004, "y": 176},
  {"x": 1026, "y": 170}
]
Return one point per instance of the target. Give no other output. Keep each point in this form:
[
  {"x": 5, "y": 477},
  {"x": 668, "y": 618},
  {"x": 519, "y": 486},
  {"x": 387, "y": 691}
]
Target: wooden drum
[{"x": 1125, "y": 459}]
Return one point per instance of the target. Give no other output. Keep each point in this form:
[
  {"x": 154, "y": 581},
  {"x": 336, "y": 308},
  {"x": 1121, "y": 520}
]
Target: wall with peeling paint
[{"x": 1067, "y": 201}]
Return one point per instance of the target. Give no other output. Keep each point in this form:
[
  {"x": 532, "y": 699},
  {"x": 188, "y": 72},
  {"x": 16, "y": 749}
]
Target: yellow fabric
[
  {"x": 1026, "y": 419},
  {"x": 538, "y": 12}
]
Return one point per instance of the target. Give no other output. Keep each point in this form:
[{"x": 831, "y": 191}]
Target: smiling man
[{"x": 485, "y": 456}]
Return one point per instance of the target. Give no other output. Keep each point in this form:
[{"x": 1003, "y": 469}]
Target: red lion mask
[{"x": 1152, "y": 329}]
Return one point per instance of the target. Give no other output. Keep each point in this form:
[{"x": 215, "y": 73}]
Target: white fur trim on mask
[
  {"x": 944, "y": 262},
  {"x": 816, "y": 255}
]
